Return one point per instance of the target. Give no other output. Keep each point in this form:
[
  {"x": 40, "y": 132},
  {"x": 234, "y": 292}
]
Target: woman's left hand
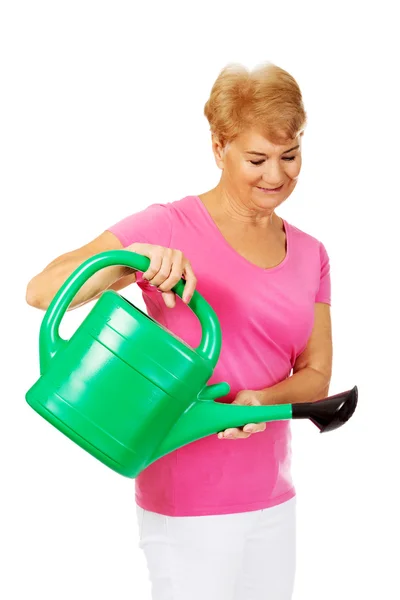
[{"x": 247, "y": 398}]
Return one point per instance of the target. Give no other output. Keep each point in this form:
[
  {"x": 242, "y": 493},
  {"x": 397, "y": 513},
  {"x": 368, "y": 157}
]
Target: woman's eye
[{"x": 259, "y": 162}]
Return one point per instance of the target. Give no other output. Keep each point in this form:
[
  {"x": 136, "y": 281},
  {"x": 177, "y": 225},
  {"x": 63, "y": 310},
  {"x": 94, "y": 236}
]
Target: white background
[{"x": 102, "y": 115}]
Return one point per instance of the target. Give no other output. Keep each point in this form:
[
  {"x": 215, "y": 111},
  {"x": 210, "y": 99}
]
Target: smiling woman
[{"x": 226, "y": 507}]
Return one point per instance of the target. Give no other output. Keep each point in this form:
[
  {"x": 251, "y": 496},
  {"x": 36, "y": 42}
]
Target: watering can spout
[
  {"x": 205, "y": 417},
  {"x": 330, "y": 413}
]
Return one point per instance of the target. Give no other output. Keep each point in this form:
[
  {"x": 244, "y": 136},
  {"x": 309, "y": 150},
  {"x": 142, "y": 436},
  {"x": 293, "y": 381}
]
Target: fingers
[
  {"x": 191, "y": 282},
  {"x": 242, "y": 432},
  {"x": 171, "y": 270},
  {"x": 254, "y": 427},
  {"x": 160, "y": 265},
  {"x": 167, "y": 267},
  {"x": 233, "y": 433}
]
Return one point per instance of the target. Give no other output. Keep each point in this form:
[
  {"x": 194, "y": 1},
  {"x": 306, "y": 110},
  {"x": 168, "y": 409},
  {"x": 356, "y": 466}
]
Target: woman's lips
[{"x": 270, "y": 191}]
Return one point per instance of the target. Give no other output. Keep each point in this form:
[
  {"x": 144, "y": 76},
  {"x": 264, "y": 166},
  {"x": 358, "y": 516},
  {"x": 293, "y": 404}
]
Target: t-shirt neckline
[{"x": 239, "y": 256}]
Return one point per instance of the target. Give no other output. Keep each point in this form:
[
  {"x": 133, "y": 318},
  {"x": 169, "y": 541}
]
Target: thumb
[{"x": 169, "y": 298}]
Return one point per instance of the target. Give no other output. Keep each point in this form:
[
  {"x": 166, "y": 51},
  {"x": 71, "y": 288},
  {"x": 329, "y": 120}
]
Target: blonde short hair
[{"x": 266, "y": 99}]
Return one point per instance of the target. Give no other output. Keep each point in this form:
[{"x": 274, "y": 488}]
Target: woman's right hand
[{"x": 167, "y": 267}]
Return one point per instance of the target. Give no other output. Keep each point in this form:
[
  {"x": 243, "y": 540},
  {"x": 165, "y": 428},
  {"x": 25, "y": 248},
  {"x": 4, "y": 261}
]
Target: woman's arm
[
  {"x": 43, "y": 286},
  {"x": 312, "y": 370}
]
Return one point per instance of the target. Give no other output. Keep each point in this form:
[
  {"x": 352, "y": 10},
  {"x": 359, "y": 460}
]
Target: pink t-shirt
[{"x": 266, "y": 318}]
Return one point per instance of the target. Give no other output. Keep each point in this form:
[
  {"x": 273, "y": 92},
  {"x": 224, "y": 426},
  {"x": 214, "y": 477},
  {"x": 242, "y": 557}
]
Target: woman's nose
[{"x": 273, "y": 174}]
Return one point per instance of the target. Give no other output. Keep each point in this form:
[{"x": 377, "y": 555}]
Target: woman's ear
[{"x": 218, "y": 150}]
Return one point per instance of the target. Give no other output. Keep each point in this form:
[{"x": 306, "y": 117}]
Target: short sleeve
[
  {"x": 153, "y": 225},
  {"x": 324, "y": 291}
]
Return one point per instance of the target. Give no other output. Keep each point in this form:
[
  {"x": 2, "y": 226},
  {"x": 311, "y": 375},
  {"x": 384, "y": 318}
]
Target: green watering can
[{"x": 128, "y": 391}]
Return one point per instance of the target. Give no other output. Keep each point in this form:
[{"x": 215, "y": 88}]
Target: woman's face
[{"x": 251, "y": 165}]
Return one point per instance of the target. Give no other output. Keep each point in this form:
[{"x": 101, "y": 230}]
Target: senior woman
[{"x": 217, "y": 517}]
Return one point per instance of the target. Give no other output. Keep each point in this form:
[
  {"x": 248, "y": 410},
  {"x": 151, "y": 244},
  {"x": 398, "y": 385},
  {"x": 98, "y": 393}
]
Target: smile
[{"x": 270, "y": 190}]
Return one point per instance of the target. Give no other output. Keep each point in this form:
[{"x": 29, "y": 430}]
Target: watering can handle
[{"x": 50, "y": 341}]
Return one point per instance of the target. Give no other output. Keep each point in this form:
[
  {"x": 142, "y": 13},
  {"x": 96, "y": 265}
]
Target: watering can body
[
  {"x": 119, "y": 377},
  {"x": 126, "y": 389}
]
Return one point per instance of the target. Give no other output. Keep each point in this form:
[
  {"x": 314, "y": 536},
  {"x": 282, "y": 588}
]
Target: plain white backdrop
[{"x": 101, "y": 115}]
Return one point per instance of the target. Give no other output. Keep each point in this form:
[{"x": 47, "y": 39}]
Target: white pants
[{"x": 240, "y": 556}]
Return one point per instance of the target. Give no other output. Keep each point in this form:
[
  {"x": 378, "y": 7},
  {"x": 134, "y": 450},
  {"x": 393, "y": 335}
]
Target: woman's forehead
[{"x": 250, "y": 141}]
